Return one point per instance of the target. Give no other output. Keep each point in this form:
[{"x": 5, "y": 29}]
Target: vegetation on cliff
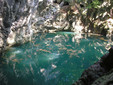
[{"x": 96, "y": 15}]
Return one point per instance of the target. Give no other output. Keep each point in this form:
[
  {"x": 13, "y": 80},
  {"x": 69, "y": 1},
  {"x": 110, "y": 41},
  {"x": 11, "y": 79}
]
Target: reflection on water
[{"x": 51, "y": 59}]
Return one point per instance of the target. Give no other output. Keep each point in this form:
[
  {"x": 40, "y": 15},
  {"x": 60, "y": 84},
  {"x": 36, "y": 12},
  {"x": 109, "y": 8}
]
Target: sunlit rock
[
  {"x": 78, "y": 27},
  {"x": 40, "y": 0},
  {"x": 11, "y": 38},
  {"x": 1, "y": 42},
  {"x": 105, "y": 3},
  {"x": 109, "y": 25},
  {"x": 42, "y": 70}
]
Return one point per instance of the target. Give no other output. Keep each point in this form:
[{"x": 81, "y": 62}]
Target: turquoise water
[{"x": 51, "y": 59}]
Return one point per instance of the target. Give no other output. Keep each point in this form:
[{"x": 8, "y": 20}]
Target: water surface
[{"x": 51, "y": 59}]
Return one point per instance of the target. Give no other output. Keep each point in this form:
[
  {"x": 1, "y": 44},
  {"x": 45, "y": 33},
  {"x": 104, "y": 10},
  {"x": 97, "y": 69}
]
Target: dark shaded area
[
  {"x": 81, "y": 5},
  {"x": 107, "y": 61},
  {"x": 66, "y": 3}
]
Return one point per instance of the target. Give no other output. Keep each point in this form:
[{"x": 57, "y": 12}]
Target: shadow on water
[{"x": 51, "y": 59}]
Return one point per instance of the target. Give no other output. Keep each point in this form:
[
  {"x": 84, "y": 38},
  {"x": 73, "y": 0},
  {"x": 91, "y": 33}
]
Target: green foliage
[
  {"x": 94, "y": 4},
  {"x": 68, "y": 0},
  {"x": 75, "y": 0}
]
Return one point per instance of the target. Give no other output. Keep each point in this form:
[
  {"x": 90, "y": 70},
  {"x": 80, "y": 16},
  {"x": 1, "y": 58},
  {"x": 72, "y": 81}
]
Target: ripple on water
[{"x": 51, "y": 59}]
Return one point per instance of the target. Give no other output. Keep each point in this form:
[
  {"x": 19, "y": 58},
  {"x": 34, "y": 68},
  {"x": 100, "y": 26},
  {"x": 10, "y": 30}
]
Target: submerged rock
[{"x": 99, "y": 72}]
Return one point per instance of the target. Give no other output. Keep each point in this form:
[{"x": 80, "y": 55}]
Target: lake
[{"x": 51, "y": 59}]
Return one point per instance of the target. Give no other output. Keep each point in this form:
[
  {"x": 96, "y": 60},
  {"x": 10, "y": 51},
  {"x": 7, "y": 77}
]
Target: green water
[{"x": 51, "y": 59}]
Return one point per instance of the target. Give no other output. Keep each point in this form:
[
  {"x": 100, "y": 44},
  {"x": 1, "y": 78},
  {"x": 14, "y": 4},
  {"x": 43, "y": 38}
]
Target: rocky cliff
[
  {"x": 15, "y": 21},
  {"x": 19, "y": 19}
]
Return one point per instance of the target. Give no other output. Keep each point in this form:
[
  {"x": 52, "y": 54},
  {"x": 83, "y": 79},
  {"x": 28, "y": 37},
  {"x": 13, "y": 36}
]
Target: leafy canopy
[{"x": 94, "y": 4}]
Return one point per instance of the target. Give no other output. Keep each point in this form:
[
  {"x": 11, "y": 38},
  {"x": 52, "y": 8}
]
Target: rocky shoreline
[{"x": 19, "y": 20}]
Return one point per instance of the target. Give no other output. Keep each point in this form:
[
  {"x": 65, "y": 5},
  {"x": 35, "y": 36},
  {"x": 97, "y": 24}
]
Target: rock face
[
  {"x": 15, "y": 21},
  {"x": 19, "y": 19},
  {"x": 100, "y": 73}
]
